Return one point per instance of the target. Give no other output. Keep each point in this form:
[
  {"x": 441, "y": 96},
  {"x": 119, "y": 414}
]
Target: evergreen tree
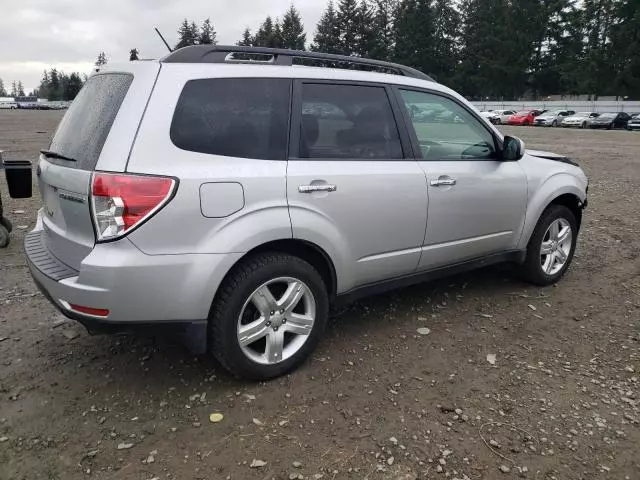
[
  {"x": 625, "y": 45},
  {"x": 187, "y": 34},
  {"x": 293, "y": 35},
  {"x": 264, "y": 35},
  {"x": 277, "y": 41},
  {"x": 20, "y": 89},
  {"x": 327, "y": 34},
  {"x": 207, "y": 34},
  {"x": 365, "y": 33},
  {"x": 598, "y": 17},
  {"x": 3, "y": 92},
  {"x": 133, "y": 54},
  {"x": 102, "y": 59},
  {"x": 55, "y": 90},
  {"x": 44, "y": 85},
  {"x": 383, "y": 39},
  {"x": 485, "y": 67},
  {"x": 14, "y": 89},
  {"x": 73, "y": 84},
  {"x": 348, "y": 24},
  {"x": 269, "y": 34},
  {"x": 247, "y": 39},
  {"x": 414, "y": 35},
  {"x": 446, "y": 38}
]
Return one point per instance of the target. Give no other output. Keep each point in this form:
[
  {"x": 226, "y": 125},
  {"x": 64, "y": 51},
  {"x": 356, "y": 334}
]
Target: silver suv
[{"x": 241, "y": 192}]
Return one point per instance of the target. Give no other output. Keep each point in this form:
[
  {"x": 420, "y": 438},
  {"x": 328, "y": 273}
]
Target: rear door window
[
  {"x": 348, "y": 122},
  {"x": 86, "y": 125},
  {"x": 234, "y": 117}
]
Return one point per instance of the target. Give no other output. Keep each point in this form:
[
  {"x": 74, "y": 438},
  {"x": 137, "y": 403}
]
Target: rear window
[
  {"x": 85, "y": 127},
  {"x": 232, "y": 117}
]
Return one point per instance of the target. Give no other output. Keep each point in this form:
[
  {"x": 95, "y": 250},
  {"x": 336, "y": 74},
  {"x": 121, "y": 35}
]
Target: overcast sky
[{"x": 69, "y": 34}]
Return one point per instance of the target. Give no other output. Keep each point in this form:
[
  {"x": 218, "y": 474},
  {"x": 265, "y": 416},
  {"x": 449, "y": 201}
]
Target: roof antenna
[{"x": 163, "y": 40}]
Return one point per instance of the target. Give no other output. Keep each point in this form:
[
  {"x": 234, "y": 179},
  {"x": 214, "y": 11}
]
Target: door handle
[
  {"x": 443, "y": 181},
  {"x": 323, "y": 187}
]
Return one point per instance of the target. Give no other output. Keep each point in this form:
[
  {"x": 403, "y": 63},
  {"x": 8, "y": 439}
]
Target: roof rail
[{"x": 280, "y": 56}]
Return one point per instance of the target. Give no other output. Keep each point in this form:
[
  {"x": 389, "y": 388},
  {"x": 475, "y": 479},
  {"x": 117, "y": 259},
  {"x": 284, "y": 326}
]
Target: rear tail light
[{"x": 121, "y": 202}]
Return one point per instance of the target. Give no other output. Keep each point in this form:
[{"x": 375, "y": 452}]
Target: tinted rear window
[
  {"x": 85, "y": 127},
  {"x": 233, "y": 117}
]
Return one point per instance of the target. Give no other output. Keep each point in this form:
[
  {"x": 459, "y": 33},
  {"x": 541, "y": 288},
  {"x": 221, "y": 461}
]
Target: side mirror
[{"x": 512, "y": 149}]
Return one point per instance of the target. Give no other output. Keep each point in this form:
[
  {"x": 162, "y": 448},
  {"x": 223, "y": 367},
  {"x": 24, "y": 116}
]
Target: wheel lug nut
[
  {"x": 272, "y": 312},
  {"x": 284, "y": 320},
  {"x": 275, "y": 329},
  {"x": 268, "y": 324}
]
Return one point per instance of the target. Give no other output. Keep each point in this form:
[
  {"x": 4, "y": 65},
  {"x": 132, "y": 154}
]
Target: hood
[
  {"x": 576, "y": 117},
  {"x": 551, "y": 156},
  {"x": 546, "y": 117}
]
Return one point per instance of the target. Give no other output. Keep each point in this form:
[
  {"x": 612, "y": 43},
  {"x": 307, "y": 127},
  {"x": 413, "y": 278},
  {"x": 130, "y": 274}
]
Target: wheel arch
[
  {"x": 556, "y": 191},
  {"x": 307, "y": 251}
]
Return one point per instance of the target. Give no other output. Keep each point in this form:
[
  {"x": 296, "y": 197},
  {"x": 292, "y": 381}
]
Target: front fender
[{"x": 553, "y": 187}]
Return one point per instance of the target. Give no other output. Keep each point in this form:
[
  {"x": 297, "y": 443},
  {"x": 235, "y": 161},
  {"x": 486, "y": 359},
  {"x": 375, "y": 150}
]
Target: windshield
[
  {"x": 553, "y": 114},
  {"x": 607, "y": 115},
  {"x": 581, "y": 114},
  {"x": 85, "y": 127}
]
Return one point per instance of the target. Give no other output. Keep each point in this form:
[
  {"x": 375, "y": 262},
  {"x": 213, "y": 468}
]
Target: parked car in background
[
  {"x": 579, "y": 119},
  {"x": 552, "y": 119},
  {"x": 609, "y": 120},
  {"x": 524, "y": 117},
  {"x": 634, "y": 122},
  {"x": 8, "y": 105},
  {"x": 498, "y": 117}
]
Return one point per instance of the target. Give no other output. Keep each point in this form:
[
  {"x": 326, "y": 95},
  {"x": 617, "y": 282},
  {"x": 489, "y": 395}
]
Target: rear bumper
[{"x": 136, "y": 289}]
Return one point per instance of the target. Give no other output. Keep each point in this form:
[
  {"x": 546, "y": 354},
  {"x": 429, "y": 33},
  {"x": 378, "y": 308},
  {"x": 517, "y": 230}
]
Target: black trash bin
[{"x": 19, "y": 177}]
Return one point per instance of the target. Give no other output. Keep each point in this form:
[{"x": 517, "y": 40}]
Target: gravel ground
[{"x": 378, "y": 400}]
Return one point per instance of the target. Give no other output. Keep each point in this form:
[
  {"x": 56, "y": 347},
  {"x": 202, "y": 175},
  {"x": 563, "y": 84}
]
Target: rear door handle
[
  {"x": 323, "y": 187},
  {"x": 443, "y": 181}
]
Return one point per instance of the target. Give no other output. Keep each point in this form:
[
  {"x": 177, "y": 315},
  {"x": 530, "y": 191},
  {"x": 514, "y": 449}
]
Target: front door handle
[
  {"x": 443, "y": 182},
  {"x": 322, "y": 187}
]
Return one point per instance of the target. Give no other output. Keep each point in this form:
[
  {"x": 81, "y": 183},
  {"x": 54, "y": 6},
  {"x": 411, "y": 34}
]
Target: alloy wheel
[
  {"x": 556, "y": 246},
  {"x": 276, "y": 320}
]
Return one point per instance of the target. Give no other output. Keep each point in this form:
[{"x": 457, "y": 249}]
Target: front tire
[
  {"x": 551, "y": 246},
  {"x": 268, "y": 316}
]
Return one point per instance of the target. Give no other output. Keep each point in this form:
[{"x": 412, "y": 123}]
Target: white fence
[{"x": 578, "y": 106}]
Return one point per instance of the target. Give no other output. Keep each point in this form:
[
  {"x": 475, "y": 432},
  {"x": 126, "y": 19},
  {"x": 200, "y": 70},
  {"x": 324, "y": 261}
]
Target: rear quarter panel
[{"x": 181, "y": 227}]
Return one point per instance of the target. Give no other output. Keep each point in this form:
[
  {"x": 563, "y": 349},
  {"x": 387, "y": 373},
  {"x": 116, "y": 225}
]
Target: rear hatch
[{"x": 96, "y": 133}]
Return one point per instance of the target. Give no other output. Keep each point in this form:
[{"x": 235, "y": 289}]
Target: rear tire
[
  {"x": 542, "y": 268},
  {"x": 239, "y": 329},
  {"x": 584, "y": 125},
  {"x": 526, "y": 123},
  {"x": 555, "y": 123},
  {"x": 4, "y": 237}
]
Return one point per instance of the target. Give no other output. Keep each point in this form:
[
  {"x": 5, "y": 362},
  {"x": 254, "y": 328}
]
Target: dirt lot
[{"x": 376, "y": 400}]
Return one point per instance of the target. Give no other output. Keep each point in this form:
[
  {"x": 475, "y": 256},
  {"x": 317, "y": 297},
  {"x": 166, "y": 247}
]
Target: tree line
[
  {"x": 496, "y": 49},
  {"x": 56, "y": 85},
  {"x": 17, "y": 90}
]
